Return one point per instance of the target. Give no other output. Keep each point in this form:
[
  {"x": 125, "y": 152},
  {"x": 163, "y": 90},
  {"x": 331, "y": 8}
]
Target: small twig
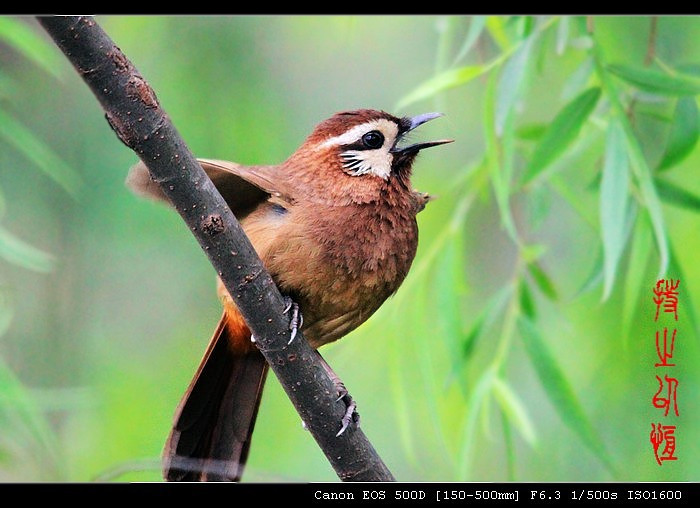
[
  {"x": 648, "y": 59},
  {"x": 126, "y": 467},
  {"x": 135, "y": 115},
  {"x": 651, "y": 43}
]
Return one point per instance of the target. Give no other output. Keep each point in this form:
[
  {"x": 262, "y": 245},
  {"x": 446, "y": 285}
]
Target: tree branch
[{"x": 133, "y": 112}]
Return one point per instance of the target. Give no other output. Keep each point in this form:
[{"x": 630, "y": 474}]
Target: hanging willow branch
[{"x": 135, "y": 115}]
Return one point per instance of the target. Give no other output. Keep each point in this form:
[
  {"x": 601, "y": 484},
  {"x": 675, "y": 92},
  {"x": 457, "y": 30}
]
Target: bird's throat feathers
[{"x": 311, "y": 178}]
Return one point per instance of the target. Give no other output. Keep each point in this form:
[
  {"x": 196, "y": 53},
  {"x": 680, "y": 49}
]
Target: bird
[{"x": 335, "y": 225}]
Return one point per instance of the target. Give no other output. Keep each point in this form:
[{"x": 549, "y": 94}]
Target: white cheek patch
[{"x": 362, "y": 162}]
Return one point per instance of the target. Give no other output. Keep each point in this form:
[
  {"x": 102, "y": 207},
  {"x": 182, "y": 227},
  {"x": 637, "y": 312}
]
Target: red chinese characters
[
  {"x": 668, "y": 385},
  {"x": 667, "y": 352},
  {"x": 666, "y": 296},
  {"x": 662, "y": 436}
]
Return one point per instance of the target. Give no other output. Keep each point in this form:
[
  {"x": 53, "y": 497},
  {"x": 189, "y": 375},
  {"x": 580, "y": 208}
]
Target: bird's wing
[
  {"x": 267, "y": 178},
  {"x": 243, "y": 187}
]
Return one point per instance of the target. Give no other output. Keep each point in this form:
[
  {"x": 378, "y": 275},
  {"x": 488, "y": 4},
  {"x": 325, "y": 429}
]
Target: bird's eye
[{"x": 373, "y": 139}]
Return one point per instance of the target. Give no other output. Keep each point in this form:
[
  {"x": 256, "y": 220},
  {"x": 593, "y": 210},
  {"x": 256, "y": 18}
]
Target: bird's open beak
[{"x": 411, "y": 123}]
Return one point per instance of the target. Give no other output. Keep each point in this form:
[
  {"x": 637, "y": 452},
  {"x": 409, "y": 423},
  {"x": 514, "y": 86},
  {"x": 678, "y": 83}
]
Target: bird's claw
[
  {"x": 342, "y": 391},
  {"x": 351, "y": 414},
  {"x": 296, "y": 321}
]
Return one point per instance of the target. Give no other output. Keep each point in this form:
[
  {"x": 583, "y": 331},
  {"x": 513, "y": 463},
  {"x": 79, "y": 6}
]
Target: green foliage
[
  {"x": 657, "y": 82},
  {"x": 12, "y": 249},
  {"x": 542, "y": 280},
  {"x": 27, "y": 438},
  {"x": 684, "y": 133},
  {"x": 476, "y": 27},
  {"x": 559, "y": 390},
  {"x": 26, "y": 434},
  {"x": 26, "y": 41},
  {"x": 449, "y": 79},
  {"x": 616, "y": 99},
  {"x": 614, "y": 192},
  {"x": 20, "y": 253},
  {"x": 514, "y": 410},
  {"x": 43, "y": 157},
  {"x": 676, "y": 195},
  {"x": 638, "y": 261},
  {"x": 561, "y": 132}
]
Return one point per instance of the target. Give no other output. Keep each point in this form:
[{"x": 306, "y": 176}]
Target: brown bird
[{"x": 335, "y": 225}]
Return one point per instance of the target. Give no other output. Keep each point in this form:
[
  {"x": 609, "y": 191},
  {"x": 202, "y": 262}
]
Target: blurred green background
[{"x": 520, "y": 347}]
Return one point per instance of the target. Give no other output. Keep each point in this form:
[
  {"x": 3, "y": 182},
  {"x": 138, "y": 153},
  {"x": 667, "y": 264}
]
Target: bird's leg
[
  {"x": 296, "y": 321},
  {"x": 351, "y": 414}
]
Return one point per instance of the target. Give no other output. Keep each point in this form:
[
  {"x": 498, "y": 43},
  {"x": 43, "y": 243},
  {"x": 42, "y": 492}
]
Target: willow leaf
[
  {"x": 510, "y": 82},
  {"x": 577, "y": 80},
  {"x": 447, "y": 79},
  {"x": 23, "y": 418},
  {"x": 676, "y": 195},
  {"x": 684, "y": 133},
  {"x": 656, "y": 81},
  {"x": 514, "y": 409},
  {"x": 614, "y": 194},
  {"x": 476, "y": 28},
  {"x": 676, "y": 272},
  {"x": 531, "y": 132},
  {"x": 496, "y": 28},
  {"x": 640, "y": 168},
  {"x": 562, "y": 132},
  {"x": 562, "y": 35},
  {"x": 27, "y": 42},
  {"x": 20, "y": 253},
  {"x": 15, "y": 133},
  {"x": 499, "y": 159},
  {"x": 542, "y": 280},
  {"x": 559, "y": 390},
  {"x": 595, "y": 277},
  {"x": 469, "y": 438},
  {"x": 527, "y": 303},
  {"x": 635, "y": 276}
]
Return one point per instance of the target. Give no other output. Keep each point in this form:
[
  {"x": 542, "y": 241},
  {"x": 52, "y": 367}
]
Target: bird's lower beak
[{"x": 410, "y": 124}]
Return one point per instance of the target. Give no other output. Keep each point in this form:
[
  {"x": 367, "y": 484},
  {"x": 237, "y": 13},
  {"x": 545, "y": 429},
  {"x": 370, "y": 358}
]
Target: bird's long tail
[{"x": 213, "y": 425}]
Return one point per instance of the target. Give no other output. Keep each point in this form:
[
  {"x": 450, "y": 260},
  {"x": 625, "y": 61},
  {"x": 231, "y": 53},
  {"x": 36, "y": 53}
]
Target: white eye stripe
[
  {"x": 375, "y": 161},
  {"x": 386, "y": 127}
]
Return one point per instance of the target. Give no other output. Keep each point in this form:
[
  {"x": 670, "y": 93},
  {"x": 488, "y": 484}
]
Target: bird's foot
[
  {"x": 351, "y": 415},
  {"x": 296, "y": 320}
]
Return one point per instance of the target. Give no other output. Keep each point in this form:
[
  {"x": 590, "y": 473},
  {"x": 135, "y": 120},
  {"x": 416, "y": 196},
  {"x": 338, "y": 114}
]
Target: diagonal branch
[{"x": 133, "y": 112}]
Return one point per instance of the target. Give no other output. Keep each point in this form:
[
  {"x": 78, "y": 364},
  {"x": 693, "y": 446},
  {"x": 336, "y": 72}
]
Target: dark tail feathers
[{"x": 214, "y": 422}]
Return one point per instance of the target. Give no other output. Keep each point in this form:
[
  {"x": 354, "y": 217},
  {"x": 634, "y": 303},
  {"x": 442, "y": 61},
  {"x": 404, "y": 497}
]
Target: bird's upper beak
[{"x": 410, "y": 123}]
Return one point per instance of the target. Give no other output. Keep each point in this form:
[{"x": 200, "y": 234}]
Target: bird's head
[{"x": 361, "y": 152}]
